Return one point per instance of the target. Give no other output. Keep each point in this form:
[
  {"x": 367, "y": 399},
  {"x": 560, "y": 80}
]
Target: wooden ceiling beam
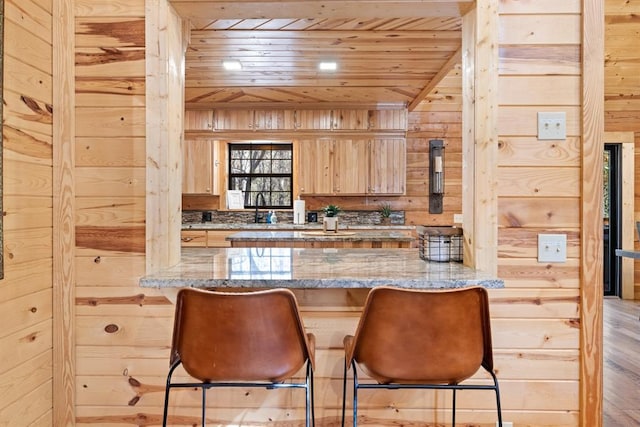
[
  {"x": 326, "y": 9},
  {"x": 448, "y": 66}
]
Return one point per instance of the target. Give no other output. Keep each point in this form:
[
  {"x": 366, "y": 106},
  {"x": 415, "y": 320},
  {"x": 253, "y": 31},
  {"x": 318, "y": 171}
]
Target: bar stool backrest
[{"x": 254, "y": 336}]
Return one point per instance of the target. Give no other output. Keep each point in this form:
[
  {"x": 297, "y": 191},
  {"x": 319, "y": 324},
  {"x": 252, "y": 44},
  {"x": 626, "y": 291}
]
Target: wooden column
[
  {"x": 165, "y": 110},
  {"x": 591, "y": 256},
  {"x": 480, "y": 135},
  {"x": 63, "y": 214}
]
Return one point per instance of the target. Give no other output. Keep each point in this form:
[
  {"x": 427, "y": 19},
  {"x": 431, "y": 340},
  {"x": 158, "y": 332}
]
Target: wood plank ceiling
[{"x": 388, "y": 52}]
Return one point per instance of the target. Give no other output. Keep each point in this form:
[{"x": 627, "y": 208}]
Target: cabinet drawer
[
  {"x": 216, "y": 238},
  {"x": 194, "y": 238}
]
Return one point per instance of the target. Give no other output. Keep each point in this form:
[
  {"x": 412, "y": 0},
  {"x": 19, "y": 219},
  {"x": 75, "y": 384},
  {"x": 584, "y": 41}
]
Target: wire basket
[{"x": 442, "y": 244}]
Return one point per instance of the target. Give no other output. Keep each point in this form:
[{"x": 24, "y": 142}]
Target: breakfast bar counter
[
  {"x": 331, "y": 286},
  {"x": 322, "y": 239},
  {"x": 314, "y": 268}
]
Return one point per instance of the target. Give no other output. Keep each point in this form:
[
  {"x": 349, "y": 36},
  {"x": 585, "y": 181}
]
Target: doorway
[{"x": 612, "y": 217}]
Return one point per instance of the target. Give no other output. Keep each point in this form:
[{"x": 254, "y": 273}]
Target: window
[{"x": 262, "y": 169}]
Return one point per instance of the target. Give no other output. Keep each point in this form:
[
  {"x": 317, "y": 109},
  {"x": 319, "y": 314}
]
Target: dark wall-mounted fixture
[{"x": 436, "y": 175}]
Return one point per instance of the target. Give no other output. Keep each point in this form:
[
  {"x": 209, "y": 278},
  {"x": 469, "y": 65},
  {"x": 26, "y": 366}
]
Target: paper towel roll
[{"x": 299, "y": 213}]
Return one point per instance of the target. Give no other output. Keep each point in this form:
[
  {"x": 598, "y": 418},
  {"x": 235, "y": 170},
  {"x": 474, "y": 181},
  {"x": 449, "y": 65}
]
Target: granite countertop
[
  {"x": 319, "y": 235},
  {"x": 286, "y": 226},
  {"x": 313, "y": 268}
]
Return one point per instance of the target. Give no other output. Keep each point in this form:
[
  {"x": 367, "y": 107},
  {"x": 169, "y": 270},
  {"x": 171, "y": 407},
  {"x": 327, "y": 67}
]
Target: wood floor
[{"x": 621, "y": 376}]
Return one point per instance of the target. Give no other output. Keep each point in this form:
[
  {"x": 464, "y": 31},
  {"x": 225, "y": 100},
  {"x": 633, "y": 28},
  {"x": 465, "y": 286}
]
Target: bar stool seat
[
  {"x": 244, "y": 339},
  {"x": 421, "y": 339}
]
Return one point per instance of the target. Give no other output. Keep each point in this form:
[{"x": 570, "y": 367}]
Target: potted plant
[
  {"x": 330, "y": 220},
  {"x": 385, "y": 213}
]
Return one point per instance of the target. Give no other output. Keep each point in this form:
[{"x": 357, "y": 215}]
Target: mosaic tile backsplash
[{"x": 346, "y": 217}]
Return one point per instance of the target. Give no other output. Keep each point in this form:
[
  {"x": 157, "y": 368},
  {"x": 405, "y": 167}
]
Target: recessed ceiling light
[
  {"x": 232, "y": 65},
  {"x": 328, "y": 66}
]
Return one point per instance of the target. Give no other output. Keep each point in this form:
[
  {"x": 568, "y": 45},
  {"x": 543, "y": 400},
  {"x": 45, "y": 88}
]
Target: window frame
[{"x": 249, "y": 202}]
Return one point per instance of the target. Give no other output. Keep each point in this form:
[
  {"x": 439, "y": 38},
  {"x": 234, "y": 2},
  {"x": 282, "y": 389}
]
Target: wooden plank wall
[
  {"x": 122, "y": 331},
  {"x": 26, "y": 290},
  {"x": 622, "y": 83},
  {"x": 538, "y": 192}
]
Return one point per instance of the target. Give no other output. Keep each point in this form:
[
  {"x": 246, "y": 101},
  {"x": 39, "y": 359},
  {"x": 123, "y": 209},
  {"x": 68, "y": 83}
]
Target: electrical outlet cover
[
  {"x": 552, "y": 247},
  {"x": 552, "y": 125}
]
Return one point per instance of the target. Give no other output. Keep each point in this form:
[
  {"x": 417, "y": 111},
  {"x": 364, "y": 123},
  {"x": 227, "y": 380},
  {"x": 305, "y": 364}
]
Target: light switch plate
[
  {"x": 552, "y": 125},
  {"x": 552, "y": 247}
]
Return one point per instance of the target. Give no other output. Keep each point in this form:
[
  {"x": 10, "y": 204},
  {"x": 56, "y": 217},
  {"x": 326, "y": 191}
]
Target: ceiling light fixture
[
  {"x": 232, "y": 65},
  {"x": 328, "y": 66}
]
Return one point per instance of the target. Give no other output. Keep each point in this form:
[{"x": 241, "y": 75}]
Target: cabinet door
[
  {"x": 274, "y": 120},
  {"x": 199, "y": 166},
  {"x": 198, "y": 120},
  {"x": 387, "y": 166},
  {"x": 313, "y": 119},
  {"x": 233, "y": 119},
  {"x": 315, "y": 166},
  {"x": 350, "y": 119},
  {"x": 350, "y": 166},
  {"x": 388, "y": 119}
]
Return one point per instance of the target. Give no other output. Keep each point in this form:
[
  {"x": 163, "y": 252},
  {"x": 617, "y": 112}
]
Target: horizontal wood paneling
[
  {"x": 34, "y": 16},
  {"x": 529, "y": 273},
  {"x": 26, "y": 113},
  {"x": 25, "y": 311},
  {"x": 523, "y": 242},
  {"x": 110, "y": 158},
  {"x": 110, "y": 122},
  {"x": 107, "y": 92},
  {"x": 538, "y": 181},
  {"x": 537, "y": 212},
  {"x": 522, "y": 120},
  {"x": 107, "y": 212},
  {"x": 621, "y": 70},
  {"x": 536, "y": 331},
  {"x": 110, "y": 152},
  {"x": 25, "y": 378},
  {"x": 25, "y": 39},
  {"x": 540, "y": 29},
  {"x": 27, "y": 245},
  {"x": 110, "y": 182},
  {"x": 33, "y": 409}
]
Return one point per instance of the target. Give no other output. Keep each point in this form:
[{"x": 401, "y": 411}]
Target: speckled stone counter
[
  {"x": 313, "y": 269},
  {"x": 294, "y": 236},
  {"x": 287, "y": 226}
]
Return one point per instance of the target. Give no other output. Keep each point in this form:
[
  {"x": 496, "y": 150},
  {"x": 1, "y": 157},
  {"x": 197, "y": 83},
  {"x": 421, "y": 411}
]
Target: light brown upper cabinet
[
  {"x": 350, "y": 119},
  {"x": 200, "y": 166},
  {"x": 387, "y": 166},
  {"x": 198, "y": 120},
  {"x": 313, "y": 119},
  {"x": 273, "y": 120},
  {"x": 280, "y": 119},
  {"x": 352, "y": 166},
  {"x": 233, "y": 120},
  {"x": 393, "y": 119},
  {"x": 315, "y": 166}
]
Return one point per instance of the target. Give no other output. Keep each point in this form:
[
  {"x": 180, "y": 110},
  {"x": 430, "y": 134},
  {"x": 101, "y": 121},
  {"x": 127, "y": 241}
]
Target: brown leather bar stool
[
  {"x": 244, "y": 339},
  {"x": 421, "y": 339}
]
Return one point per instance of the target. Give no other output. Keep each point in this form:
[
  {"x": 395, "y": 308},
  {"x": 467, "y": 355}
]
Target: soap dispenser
[{"x": 274, "y": 218}]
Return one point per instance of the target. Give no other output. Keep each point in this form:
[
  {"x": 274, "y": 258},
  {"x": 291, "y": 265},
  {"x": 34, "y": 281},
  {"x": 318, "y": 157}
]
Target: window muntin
[{"x": 262, "y": 168}]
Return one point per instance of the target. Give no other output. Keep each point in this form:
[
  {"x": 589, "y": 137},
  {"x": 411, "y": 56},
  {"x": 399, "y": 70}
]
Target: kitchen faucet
[{"x": 257, "y": 215}]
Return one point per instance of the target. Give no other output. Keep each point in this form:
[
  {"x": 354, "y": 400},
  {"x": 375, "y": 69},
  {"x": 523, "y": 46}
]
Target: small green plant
[
  {"x": 331, "y": 210},
  {"x": 385, "y": 210}
]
